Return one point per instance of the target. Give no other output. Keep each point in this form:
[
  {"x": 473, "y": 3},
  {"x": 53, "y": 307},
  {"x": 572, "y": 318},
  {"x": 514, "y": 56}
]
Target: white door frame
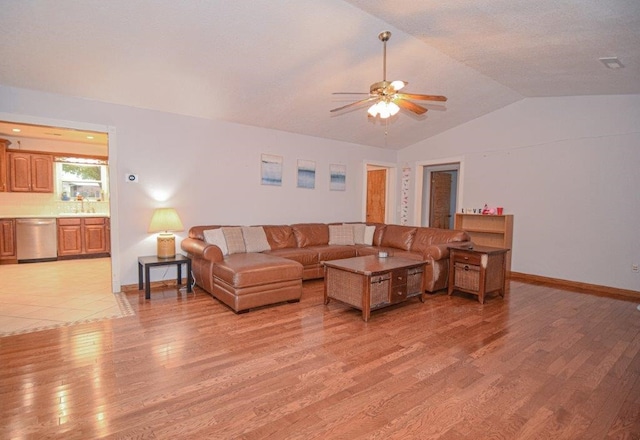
[
  {"x": 390, "y": 198},
  {"x": 113, "y": 173},
  {"x": 420, "y": 166}
]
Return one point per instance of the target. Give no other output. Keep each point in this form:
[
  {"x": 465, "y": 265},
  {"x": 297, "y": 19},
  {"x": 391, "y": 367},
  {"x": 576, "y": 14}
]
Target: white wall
[
  {"x": 569, "y": 170},
  {"x": 208, "y": 170}
]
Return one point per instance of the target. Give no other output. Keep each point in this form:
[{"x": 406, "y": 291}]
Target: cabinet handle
[
  {"x": 466, "y": 268},
  {"x": 400, "y": 278}
]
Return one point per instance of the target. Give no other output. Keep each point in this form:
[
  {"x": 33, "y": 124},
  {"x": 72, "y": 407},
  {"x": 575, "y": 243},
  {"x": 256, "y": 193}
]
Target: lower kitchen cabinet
[
  {"x": 8, "y": 241},
  {"x": 83, "y": 236}
]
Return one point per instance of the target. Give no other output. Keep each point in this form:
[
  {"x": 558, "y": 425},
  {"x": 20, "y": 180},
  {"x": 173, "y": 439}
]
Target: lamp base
[{"x": 166, "y": 245}]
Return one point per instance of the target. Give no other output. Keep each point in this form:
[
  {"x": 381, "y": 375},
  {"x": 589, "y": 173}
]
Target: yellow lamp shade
[{"x": 165, "y": 220}]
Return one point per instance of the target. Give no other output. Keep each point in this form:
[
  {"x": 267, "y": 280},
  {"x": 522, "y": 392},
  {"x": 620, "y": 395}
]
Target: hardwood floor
[{"x": 542, "y": 363}]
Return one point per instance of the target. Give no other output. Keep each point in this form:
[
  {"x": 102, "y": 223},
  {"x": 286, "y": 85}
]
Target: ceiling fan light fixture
[
  {"x": 373, "y": 110},
  {"x": 383, "y": 109},
  {"x": 385, "y": 94},
  {"x": 397, "y": 84}
]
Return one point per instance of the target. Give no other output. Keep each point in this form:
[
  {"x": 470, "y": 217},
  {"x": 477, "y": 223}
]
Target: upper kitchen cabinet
[
  {"x": 3, "y": 164},
  {"x": 30, "y": 172}
]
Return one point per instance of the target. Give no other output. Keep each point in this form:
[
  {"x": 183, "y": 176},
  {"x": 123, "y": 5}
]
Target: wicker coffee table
[{"x": 370, "y": 283}]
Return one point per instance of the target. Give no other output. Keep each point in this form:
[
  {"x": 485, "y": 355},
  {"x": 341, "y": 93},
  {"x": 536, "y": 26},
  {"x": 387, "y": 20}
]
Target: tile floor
[{"x": 36, "y": 296}]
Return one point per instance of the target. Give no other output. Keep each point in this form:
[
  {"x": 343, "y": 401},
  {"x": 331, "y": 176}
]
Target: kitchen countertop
[{"x": 61, "y": 215}]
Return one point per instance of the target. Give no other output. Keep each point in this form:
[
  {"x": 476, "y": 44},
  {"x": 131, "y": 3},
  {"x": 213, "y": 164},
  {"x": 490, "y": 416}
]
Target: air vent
[{"x": 612, "y": 62}]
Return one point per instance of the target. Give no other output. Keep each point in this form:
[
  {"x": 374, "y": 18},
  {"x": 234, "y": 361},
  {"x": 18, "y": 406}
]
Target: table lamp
[{"x": 165, "y": 220}]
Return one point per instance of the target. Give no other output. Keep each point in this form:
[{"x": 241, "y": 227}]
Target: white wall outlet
[
  {"x": 133, "y": 178},
  {"x": 634, "y": 268}
]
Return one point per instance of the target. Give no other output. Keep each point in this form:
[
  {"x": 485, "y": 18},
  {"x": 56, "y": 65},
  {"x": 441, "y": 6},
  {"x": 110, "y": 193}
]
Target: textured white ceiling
[{"x": 275, "y": 63}]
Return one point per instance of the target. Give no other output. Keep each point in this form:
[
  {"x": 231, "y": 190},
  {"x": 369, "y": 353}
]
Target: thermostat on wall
[{"x": 131, "y": 178}]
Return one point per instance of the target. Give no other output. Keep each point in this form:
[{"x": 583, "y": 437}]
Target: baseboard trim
[
  {"x": 612, "y": 292},
  {"x": 154, "y": 284}
]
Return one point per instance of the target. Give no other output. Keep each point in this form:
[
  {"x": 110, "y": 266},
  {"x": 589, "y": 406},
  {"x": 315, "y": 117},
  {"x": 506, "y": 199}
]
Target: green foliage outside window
[{"x": 84, "y": 172}]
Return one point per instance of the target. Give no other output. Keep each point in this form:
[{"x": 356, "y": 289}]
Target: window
[{"x": 77, "y": 179}]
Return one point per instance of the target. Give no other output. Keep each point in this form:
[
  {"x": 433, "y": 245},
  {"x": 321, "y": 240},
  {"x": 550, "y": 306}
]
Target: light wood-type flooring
[{"x": 543, "y": 363}]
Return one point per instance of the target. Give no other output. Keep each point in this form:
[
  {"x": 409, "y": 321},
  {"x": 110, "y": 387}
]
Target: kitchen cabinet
[
  {"x": 83, "y": 236},
  {"x": 8, "y": 241},
  {"x": 3, "y": 164},
  {"x": 30, "y": 172}
]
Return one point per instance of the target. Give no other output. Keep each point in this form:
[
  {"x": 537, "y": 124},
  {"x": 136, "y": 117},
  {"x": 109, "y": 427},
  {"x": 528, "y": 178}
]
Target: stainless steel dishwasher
[{"x": 36, "y": 239}]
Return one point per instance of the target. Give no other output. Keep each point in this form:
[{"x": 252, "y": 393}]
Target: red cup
[{"x": 499, "y": 210}]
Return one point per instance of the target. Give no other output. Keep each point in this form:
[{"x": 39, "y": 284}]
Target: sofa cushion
[
  {"x": 311, "y": 234},
  {"x": 216, "y": 237},
  {"x": 280, "y": 236},
  {"x": 369, "y": 232},
  {"x": 378, "y": 233},
  {"x": 341, "y": 235},
  {"x": 400, "y": 237},
  {"x": 426, "y": 237},
  {"x": 304, "y": 256},
  {"x": 255, "y": 240},
  {"x": 358, "y": 232},
  {"x": 254, "y": 269},
  {"x": 334, "y": 252},
  {"x": 234, "y": 238}
]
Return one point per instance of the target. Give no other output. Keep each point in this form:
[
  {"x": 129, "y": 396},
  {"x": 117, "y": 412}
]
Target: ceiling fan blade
[
  {"x": 421, "y": 97},
  {"x": 350, "y": 93},
  {"x": 417, "y": 109},
  {"x": 353, "y": 104}
]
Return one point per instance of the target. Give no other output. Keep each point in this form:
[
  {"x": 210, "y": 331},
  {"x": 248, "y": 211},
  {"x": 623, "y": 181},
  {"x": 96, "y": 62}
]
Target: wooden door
[
  {"x": 41, "y": 173},
  {"x": 440, "y": 200},
  {"x": 19, "y": 172},
  {"x": 376, "y": 195}
]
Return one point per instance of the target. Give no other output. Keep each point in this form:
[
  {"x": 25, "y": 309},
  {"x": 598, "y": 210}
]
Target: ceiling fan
[{"x": 385, "y": 95}]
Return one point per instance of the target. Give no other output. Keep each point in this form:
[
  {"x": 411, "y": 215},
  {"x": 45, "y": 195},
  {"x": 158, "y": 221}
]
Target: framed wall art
[
  {"x": 271, "y": 170},
  {"x": 337, "y": 177},
  {"x": 306, "y": 174}
]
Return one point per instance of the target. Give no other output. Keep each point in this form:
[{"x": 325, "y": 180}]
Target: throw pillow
[
  {"x": 368, "y": 234},
  {"x": 255, "y": 240},
  {"x": 341, "y": 234},
  {"x": 216, "y": 237},
  {"x": 358, "y": 232},
  {"x": 235, "y": 241}
]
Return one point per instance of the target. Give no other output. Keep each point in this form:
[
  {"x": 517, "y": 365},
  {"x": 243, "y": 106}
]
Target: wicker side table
[{"x": 478, "y": 270}]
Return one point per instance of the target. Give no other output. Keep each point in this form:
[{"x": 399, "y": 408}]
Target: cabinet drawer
[
  {"x": 466, "y": 257},
  {"x": 398, "y": 293},
  {"x": 399, "y": 276},
  {"x": 69, "y": 221},
  {"x": 467, "y": 276},
  {"x": 94, "y": 220}
]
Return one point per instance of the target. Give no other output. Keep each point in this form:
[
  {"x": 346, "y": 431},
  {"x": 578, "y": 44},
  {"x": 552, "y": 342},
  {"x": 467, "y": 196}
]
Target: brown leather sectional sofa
[{"x": 247, "y": 280}]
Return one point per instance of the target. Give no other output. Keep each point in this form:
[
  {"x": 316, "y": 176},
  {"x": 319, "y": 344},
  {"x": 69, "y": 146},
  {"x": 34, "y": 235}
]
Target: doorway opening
[
  {"x": 438, "y": 193},
  {"x": 67, "y": 139},
  {"x": 379, "y": 192}
]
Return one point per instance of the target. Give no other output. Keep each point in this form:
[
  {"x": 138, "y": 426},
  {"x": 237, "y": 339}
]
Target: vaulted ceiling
[{"x": 275, "y": 63}]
